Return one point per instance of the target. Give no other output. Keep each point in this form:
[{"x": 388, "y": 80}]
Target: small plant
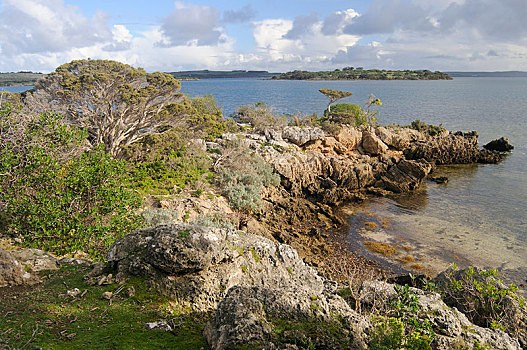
[
  {"x": 432, "y": 130},
  {"x": 260, "y": 116},
  {"x": 159, "y": 216}
]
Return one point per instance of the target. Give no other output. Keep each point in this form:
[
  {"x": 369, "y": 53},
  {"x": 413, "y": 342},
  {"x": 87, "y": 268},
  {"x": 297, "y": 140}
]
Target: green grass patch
[{"x": 45, "y": 316}]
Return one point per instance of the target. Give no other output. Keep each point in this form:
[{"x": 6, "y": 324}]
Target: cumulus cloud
[
  {"x": 45, "y": 26},
  {"x": 191, "y": 25},
  {"x": 336, "y": 21},
  {"x": 122, "y": 39},
  {"x": 245, "y": 14},
  {"x": 302, "y": 25}
]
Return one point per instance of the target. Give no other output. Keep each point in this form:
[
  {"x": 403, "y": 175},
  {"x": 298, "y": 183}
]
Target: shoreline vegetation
[
  {"x": 359, "y": 73},
  {"x": 154, "y": 212}
]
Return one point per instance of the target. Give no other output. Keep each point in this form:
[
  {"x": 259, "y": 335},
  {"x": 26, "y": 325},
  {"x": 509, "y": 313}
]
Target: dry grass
[
  {"x": 380, "y": 248},
  {"x": 406, "y": 260},
  {"x": 371, "y": 225},
  {"x": 407, "y": 248},
  {"x": 417, "y": 267}
]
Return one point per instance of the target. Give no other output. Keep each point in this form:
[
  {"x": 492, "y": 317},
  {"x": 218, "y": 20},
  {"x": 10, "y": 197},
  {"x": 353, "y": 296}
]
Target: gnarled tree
[
  {"x": 334, "y": 96},
  {"x": 115, "y": 103}
]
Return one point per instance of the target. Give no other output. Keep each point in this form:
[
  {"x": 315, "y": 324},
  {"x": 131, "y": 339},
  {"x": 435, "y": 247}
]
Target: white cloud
[
  {"x": 192, "y": 25},
  {"x": 40, "y": 26}
]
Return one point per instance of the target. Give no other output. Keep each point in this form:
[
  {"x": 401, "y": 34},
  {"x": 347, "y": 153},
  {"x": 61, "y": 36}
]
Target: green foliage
[
  {"x": 161, "y": 163},
  {"x": 350, "y": 73},
  {"x": 114, "y": 102},
  {"x": 218, "y": 220},
  {"x": 432, "y": 130},
  {"x": 402, "y": 328},
  {"x": 62, "y": 203},
  {"x": 352, "y": 114},
  {"x": 482, "y": 296},
  {"x": 159, "y": 216}
]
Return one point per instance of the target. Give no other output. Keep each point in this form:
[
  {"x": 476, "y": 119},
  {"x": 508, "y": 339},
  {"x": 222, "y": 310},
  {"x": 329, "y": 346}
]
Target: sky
[{"x": 272, "y": 35}]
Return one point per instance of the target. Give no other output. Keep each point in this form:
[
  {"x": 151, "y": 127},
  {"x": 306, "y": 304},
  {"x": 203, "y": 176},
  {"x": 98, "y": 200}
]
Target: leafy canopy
[{"x": 115, "y": 103}]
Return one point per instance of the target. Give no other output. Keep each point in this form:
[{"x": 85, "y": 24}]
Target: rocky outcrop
[
  {"x": 300, "y": 136},
  {"x": 458, "y": 148},
  {"x": 36, "y": 260},
  {"x": 500, "y": 145},
  {"x": 257, "y": 316},
  {"x": 372, "y": 144},
  {"x": 198, "y": 265},
  {"x": 13, "y": 272}
]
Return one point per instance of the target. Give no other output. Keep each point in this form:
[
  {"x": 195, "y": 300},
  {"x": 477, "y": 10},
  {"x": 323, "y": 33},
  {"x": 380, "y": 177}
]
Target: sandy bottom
[{"x": 429, "y": 242}]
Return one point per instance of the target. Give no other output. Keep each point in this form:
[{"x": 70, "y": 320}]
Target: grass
[
  {"x": 371, "y": 225},
  {"x": 380, "y": 248},
  {"x": 46, "y": 317},
  {"x": 406, "y": 260}
]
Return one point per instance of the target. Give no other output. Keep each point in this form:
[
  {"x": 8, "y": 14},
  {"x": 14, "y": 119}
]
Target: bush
[
  {"x": 432, "y": 130},
  {"x": 57, "y": 197},
  {"x": 481, "y": 296},
  {"x": 242, "y": 175},
  {"x": 260, "y": 116},
  {"x": 347, "y": 113}
]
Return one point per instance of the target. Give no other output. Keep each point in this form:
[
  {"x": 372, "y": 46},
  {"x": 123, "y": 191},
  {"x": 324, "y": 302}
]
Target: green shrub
[
  {"x": 242, "y": 175},
  {"x": 217, "y": 220},
  {"x": 347, "y": 113},
  {"x": 481, "y": 296},
  {"x": 159, "y": 216},
  {"x": 58, "y": 197},
  {"x": 432, "y": 130}
]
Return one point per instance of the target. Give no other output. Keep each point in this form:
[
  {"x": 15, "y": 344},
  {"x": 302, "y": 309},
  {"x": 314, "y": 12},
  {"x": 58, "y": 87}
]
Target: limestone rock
[
  {"x": 372, "y": 144},
  {"x": 499, "y": 145},
  {"x": 350, "y": 137},
  {"x": 197, "y": 265},
  {"x": 37, "y": 259},
  {"x": 392, "y": 139},
  {"x": 12, "y": 272},
  {"x": 247, "y": 316},
  {"x": 300, "y": 136}
]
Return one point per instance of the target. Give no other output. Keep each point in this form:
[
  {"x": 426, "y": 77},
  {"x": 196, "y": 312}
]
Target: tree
[
  {"x": 115, "y": 103},
  {"x": 334, "y": 95}
]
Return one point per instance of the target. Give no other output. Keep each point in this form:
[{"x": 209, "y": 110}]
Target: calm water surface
[{"x": 480, "y": 216}]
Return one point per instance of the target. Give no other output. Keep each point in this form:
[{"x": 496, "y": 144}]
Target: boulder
[
  {"x": 258, "y": 316},
  {"x": 36, "y": 259},
  {"x": 392, "y": 139},
  {"x": 197, "y": 265},
  {"x": 13, "y": 273},
  {"x": 406, "y": 175},
  {"x": 350, "y": 137},
  {"x": 499, "y": 145},
  {"x": 300, "y": 136},
  {"x": 372, "y": 144}
]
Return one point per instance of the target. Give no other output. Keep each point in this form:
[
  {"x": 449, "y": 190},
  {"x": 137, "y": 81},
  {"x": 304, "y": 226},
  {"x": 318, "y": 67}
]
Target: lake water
[{"x": 479, "y": 217}]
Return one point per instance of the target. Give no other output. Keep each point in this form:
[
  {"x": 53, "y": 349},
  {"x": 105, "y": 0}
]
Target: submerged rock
[{"x": 500, "y": 145}]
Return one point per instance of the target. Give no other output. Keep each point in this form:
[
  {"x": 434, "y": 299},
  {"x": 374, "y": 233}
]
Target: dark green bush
[
  {"x": 57, "y": 197},
  {"x": 432, "y": 130}
]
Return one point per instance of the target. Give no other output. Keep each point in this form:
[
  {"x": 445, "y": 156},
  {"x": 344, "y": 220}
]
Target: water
[
  {"x": 15, "y": 88},
  {"x": 479, "y": 217}
]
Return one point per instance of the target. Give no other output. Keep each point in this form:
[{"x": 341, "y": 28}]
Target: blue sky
[{"x": 275, "y": 35}]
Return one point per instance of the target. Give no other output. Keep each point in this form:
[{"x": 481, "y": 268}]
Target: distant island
[
  {"x": 211, "y": 74},
  {"x": 504, "y": 74},
  {"x": 351, "y": 73},
  {"x": 21, "y": 78}
]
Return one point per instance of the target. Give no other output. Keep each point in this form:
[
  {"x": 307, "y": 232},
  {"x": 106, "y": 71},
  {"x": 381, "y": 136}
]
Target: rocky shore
[{"x": 272, "y": 282}]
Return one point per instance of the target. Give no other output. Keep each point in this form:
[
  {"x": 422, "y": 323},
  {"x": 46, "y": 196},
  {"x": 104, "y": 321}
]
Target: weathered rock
[
  {"x": 13, "y": 273},
  {"x": 350, "y": 137},
  {"x": 392, "y": 139},
  {"x": 300, "y": 136},
  {"x": 162, "y": 326},
  {"x": 197, "y": 265},
  {"x": 405, "y": 175},
  {"x": 458, "y": 148},
  {"x": 372, "y": 144},
  {"x": 248, "y": 315},
  {"x": 451, "y": 326},
  {"x": 500, "y": 145},
  {"x": 37, "y": 259}
]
